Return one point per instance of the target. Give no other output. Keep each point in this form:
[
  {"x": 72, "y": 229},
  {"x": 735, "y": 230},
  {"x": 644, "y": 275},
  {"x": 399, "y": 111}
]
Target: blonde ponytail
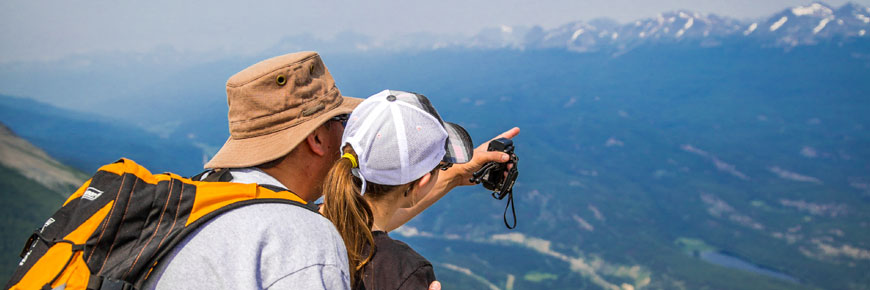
[{"x": 350, "y": 213}]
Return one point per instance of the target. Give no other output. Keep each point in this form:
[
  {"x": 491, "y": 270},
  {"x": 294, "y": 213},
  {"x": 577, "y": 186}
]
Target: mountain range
[
  {"x": 791, "y": 27},
  {"x": 802, "y": 25}
]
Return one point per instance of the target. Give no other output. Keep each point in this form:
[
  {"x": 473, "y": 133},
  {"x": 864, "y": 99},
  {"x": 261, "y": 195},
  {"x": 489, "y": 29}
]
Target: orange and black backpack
[{"x": 113, "y": 230}]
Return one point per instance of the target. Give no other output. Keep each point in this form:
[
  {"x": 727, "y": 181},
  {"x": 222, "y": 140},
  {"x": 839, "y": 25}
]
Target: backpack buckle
[
  {"x": 106, "y": 283},
  {"x": 31, "y": 241}
]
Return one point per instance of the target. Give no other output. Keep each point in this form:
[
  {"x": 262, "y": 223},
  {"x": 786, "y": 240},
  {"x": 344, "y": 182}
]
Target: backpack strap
[
  {"x": 224, "y": 175},
  {"x": 310, "y": 206},
  {"x": 161, "y": 253},
  {"x": 212, "y": 175}
]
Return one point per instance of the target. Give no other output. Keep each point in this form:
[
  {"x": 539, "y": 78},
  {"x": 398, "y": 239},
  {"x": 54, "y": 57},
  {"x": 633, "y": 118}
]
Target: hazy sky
[{"x": 48, "y": 29}]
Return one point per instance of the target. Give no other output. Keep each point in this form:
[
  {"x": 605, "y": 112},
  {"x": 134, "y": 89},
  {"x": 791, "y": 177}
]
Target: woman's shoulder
[
  {"x": 395, "y": 265},
  {"x": 394, "y": 250}
]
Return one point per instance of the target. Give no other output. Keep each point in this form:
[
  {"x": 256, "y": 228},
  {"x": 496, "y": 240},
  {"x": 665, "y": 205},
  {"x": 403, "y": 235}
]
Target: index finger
[{"x": 510, "y": 134}]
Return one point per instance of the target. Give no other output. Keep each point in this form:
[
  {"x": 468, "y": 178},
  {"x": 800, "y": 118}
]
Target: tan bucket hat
[{"x": 274, "y": 105}]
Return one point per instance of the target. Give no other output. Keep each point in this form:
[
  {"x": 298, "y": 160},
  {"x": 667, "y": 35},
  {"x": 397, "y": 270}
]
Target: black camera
[{"x": 500, "y": 177}]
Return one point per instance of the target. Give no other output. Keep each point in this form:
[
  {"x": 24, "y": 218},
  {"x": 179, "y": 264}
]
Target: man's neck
[{"x": 298, "y": 179}]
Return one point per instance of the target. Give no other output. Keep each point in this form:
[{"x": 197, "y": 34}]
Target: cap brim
[
  {"x": 459, "y": 146},
  {"x": 239, "y": 153}
]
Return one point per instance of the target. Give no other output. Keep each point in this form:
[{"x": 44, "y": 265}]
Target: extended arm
[{"x": 457, "y": 175}]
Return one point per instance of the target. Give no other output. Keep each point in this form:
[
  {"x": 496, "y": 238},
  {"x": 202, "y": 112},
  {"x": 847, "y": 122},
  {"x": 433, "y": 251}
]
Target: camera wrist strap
[{"x": 510, "y": 203}]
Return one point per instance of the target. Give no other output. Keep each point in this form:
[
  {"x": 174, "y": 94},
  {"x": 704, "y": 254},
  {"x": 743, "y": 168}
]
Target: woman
[{"x": 395, "y": 144}]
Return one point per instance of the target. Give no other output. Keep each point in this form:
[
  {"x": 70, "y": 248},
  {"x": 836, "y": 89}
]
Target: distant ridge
[
  {"x": 32, "y": 186},
  {"x": 87, "y": 141},
  {"x": 35, "y": 164}
]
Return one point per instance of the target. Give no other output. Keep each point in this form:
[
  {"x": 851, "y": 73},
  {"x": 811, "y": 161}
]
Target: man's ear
[{"x": 315, "y": 142}]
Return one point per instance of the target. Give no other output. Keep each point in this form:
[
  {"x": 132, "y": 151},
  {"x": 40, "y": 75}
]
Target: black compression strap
[
  {"x": 224, "y": 175},
  {"x": 75, "y": 248},
  {"x": 219, "y": 175},
  {"x": 103, "y": 283}
]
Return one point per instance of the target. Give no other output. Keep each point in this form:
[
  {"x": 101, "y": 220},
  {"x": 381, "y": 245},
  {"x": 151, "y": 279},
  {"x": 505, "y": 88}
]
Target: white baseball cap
[{"x": 399, "y": 137}]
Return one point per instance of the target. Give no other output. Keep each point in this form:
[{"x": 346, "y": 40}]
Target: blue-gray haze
[{"x": 40, "y": 30}]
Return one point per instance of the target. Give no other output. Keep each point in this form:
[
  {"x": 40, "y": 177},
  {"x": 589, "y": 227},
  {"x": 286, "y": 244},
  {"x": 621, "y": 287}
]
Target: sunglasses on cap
[{"x": 443, "y": 166}]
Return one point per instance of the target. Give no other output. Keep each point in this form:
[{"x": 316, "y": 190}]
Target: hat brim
[
  {"x": 239, "y": 153},
  {"x": 459, "y": 146}
]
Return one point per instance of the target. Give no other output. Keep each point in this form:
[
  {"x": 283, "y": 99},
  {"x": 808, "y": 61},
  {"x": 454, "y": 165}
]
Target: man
[{"x": 285, "y": 120}]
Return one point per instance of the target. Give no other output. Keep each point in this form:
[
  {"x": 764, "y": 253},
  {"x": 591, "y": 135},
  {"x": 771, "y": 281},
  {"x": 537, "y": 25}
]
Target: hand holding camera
[{"x": 500, "y": 177}]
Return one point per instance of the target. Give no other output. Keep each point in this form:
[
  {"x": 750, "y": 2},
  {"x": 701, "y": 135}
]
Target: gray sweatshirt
[{"x": 261, "y": 246}]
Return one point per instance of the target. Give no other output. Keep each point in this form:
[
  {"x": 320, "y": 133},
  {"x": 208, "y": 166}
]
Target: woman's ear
[
  {"x": 414, "y": 188},
  {"x": 424, "y": 181}
]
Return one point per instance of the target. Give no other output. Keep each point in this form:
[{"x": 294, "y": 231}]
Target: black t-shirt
[{"x": 396, "y": 266}]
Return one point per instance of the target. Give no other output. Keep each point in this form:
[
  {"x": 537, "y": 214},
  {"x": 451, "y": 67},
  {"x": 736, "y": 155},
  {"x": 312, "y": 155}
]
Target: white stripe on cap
[{"x": 401, "y": 138}]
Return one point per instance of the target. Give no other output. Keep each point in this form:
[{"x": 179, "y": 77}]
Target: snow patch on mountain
[
  {"x": 812, "y": 9},
  {"x": 720, "y": 165},
  {"x": 577, "y": 34},
  {"x": 689, "y": 23},
  {"x": 622, "y": 113},
  {"x": 720, "y": 209},
  {"x": 785, "y": 174},
  {"x": 818, "y": 209},
  {"x": 613, "y": 142},
  {"x": 860, "y": 185},
  {"x": 583, "y": 223},
  {"x": 598, "y": 215},
  {"x": 821, "y": 25},
  {"x": 692, "y": 149},
  {"x": 843, "y": 250},
  {"x": 751, "y": 28},
  {"x": 507, "y": 29},
  {"x": 776, "y": 25},
  {"x": 729, "y": 168},
  {"x": 570, "y": 103},
  {"x": 809, "y": 152}
]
